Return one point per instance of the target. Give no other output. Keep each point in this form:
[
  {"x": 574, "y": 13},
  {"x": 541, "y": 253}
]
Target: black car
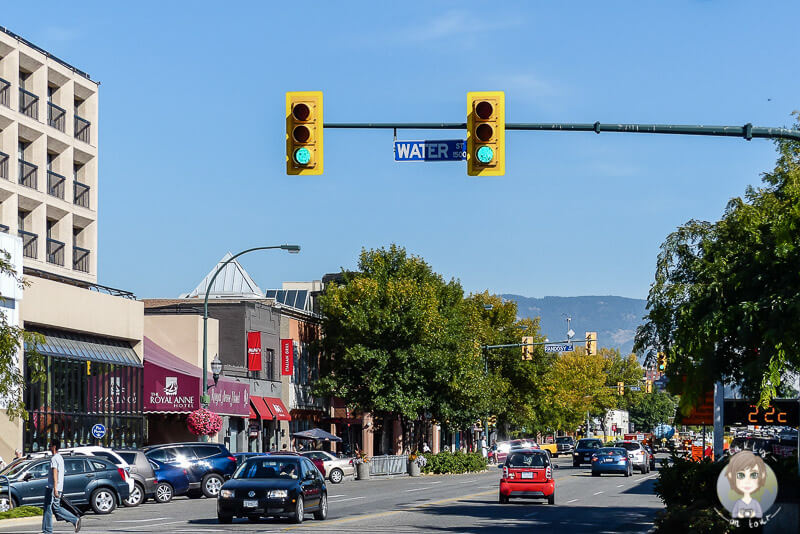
[
  {"x": 88, "y": 481},
  {"x": 564, "y": 445},
  {"x": 584, "y": 450},
  {"x": 207, "y": 464},
  {"x": 277, "y": 486},
  {"x": 144, "y": 479}
]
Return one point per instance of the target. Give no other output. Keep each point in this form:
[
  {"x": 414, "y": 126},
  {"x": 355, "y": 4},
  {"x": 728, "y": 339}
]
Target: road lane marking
[
  {"x": 598, "y": 493},
  {"x": 140, "y": 520},
  {"x": 573, "y": 500},
  {"x": 418, "y": 489},
  {"x": 620, "y": 485},
  {"x": 348, "y": 499},
  {"x": 395, "y": 512}
]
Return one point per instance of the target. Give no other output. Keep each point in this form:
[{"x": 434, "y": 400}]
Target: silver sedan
[{"x": 335, "y": 468}]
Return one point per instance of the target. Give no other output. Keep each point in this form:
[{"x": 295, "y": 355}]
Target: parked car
[
  {"x": 108, "y": 454},
  {"x": 584, "y": 450},
  {"x": 171, "y": 481},
  {"x": 207, "y": 464},
  {"x": 274, "y": 485},
  {"x": 88, "y": 481},
  {"x": 611, "y": 460},
  {"x": 319, "y": 464},
  {"x": 335, "y": 468},
  {"x": 527, "y": 473},
  {"x": 144, "y": 479},
  {"x": 564, "y": 445},
  {"x": 638, "y": 456}
]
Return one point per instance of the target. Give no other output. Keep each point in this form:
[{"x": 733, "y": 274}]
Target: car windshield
[
  {"x": 14, "y": 469},
  {"x": 268, "y": 468},
  {"x": 612, "y": 450},
  {"x": 589, "y": 444},
  {"x": 527, "y": 459},
  {"x": 563, "y": 440},
  {"x": 629, "y": 446}
]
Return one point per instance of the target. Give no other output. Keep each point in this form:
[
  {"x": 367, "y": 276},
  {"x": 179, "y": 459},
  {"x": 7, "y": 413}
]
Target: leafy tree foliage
[
  {"x": 725, "y": 303},
  {"x": 648, "y": 411}
]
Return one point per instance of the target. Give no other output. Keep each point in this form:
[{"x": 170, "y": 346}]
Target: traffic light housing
[
  {"x": 662, "y": 361},
  {"x": 591, "y": 343},
  {"x": 620, "y": 388},
  {"x": 492, "y": 421},
  {"x": 486, "y": 133},
  {"x": 527, "y": 351},
  {"x": 304, "y": 146},
  {"x": 648, "y": 386}
]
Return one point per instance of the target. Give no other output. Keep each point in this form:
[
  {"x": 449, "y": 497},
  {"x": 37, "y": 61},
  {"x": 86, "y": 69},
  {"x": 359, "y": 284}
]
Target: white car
[
  {"x": 639, "y": 457},
  {"x": 335, "y": 468},
  {"x": 108, "y": 454}
]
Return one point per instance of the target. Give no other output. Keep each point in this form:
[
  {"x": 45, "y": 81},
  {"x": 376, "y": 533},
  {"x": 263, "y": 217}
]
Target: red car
[
  {"x": 528, "y": 473},
  {"x": 316, "y": 461}
]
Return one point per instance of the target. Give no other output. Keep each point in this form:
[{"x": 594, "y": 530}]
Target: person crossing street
[{"x": 52, "y": 495}]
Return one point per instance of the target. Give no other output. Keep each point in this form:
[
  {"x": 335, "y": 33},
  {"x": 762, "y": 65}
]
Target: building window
[{"x": 270, "y": 364}]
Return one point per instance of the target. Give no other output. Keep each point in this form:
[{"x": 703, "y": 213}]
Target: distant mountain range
[{"x": 615, "y": 319}]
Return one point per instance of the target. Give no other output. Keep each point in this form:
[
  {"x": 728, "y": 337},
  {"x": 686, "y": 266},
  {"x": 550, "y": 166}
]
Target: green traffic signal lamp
[
  {"x": 302, "y": 156},
  {"x": 485, "y": 154}
]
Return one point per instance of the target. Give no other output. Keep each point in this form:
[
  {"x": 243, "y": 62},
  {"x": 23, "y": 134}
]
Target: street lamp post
[{"x": 292, "y": 249}]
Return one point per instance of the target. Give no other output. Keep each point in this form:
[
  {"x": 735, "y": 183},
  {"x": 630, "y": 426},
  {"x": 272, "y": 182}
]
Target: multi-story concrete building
[{"x": 48, "y": 200}]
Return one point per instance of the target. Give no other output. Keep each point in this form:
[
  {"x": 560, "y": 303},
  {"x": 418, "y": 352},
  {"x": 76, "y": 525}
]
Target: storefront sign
[
  {"x": 169, "y": 391},
  {"x": 113, "y": 391},
  {"x": 229, "y": 398},
  {"x": 287, "y": 357},
  {"x": 254, "y": 351}
]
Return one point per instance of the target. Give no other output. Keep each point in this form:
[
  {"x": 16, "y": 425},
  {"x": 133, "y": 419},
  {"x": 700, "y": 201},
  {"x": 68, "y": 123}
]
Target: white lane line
[
  {"x": 141, "y": 520},
  {"x": 418, "y": 489},
  {"x": 620, "y": 485},
  {"x": 438, "y": 482},
  {"x": 598, "y": 493},
  {"x": 336, "y": 496},
  {"x": 160, "y": 524},
  {"x": 467, "y": 482},
  {"x": 573, "y": 500},
  {"x": 350, "y": 499}
]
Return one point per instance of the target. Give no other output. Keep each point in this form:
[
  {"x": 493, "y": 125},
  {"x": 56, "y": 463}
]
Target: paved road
[{"x": 457, "y": 503}]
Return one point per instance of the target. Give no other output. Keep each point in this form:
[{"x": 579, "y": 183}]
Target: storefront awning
[
  {"x": 58, "y": 343},
  {"x": 172, "y": 385},
  {"x": 277, "y": 408},
  {"x": 261, "y": 410}
]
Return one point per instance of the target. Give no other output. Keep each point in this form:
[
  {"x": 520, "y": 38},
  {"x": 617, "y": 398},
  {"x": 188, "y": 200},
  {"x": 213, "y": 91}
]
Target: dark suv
[
  {"x": 144, "y": 479},
  {"x": 564, "y": 445},
  {"x": 584, "y": 450},
  {"x": 91, "y": 481},
  {"x": 207, "y": 464}
]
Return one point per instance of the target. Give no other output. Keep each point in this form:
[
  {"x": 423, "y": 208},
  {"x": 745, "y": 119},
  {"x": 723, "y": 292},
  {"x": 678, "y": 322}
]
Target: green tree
[
  {"x": 648, "y": 411},
  {"x": 724, "y": 303}
]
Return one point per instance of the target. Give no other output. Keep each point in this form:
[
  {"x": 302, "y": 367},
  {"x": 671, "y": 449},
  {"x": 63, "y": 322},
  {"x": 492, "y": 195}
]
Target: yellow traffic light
[
  {"x": 591, "y": 343},
  {"x": 620, "y": 388},
  {"x": 527, "y": 350},
  {"x": 486, "y": 133},
  {"x": 662, "y": 361},
  {"x": 304, "y": 154},
  {"x": 648, "y": 387}
]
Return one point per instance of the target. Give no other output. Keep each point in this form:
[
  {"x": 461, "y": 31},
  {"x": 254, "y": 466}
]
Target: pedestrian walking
[
  {"x": 52, "y": 493},
  {"x": 425, "y": 448},
  {"x": 484, "y": 448}
]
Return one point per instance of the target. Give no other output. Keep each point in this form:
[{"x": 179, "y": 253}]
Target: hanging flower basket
[{"x": 204, "y": 422}]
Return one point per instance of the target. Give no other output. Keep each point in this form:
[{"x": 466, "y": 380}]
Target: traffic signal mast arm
[
  {"x": 748, "y": 131},
  {"x": 516, "y": 345}
]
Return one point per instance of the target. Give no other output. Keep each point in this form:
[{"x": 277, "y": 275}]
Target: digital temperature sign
[{"x": 780, "y": 412}]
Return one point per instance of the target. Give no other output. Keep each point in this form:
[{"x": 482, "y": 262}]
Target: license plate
[
  {"x": 587, "y": 458},
  {"x": 527, "y": 475},
  {"x": 608, "y": 460},
  {"x": 250, "y": 504}
]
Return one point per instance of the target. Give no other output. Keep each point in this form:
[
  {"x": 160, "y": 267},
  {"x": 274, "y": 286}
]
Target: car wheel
[
  {"x": 322, "y": 513},
  {"x": 595, "y": 474},
  {"x": 576, "y": 464},
  {"x": 552, "y": 498},
  {"x": 337, "y": 475},
  {"x": 503, "y": 499},
  {"x": 136, "y": 497},
  {"x": 299, "y": 511},
  {"x": 643, "y": 470},
  {"x": 226, "y": 519},
  {"x": 195, "y": 494},
  {"x": 628, "y": 472},
  {"x": 555, "y": 455},
  {"x": 103, "y": 501},
  {"x": 164, "y": 492},
  {"x": 254, "y": 518},
  {"x": 212, "y": 483}
]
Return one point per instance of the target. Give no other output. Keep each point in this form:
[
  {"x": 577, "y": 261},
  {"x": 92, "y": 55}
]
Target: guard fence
[{"x": 388, "y": 465}]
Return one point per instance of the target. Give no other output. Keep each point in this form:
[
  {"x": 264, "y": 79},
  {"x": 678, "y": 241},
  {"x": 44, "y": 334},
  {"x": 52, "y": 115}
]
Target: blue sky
[{"x": 192, "y": 153}]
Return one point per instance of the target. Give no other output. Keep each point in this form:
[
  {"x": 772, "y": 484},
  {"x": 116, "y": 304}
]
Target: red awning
[
  {"x": 277, "y": 408},
  {"x": 262, "y": 411}
]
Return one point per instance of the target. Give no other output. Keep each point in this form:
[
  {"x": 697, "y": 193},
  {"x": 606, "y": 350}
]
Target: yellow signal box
[
  {"x": 591, "y": 343},
  {"x": 662, "y": 361},
  {"x": 486, "y": 133},
  {"x": 620, "y": 388},
  {"x": 304, "y": 147},
  {"x": 648, "y": 387},
  {"x": 527, "y": 351}
]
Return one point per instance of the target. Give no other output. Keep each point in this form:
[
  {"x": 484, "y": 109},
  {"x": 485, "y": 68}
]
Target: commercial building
[{"x": 48, "y": 199}]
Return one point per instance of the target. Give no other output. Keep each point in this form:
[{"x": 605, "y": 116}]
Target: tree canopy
[{"x": 725, "y": 303}]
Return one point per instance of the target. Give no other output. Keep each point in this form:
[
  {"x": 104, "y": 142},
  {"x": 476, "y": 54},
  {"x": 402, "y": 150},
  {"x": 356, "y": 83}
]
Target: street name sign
[
  {"x": 635, "y": 388},
  {"x": 559, "y": 347},
  {"x": 431, "y": 150}
]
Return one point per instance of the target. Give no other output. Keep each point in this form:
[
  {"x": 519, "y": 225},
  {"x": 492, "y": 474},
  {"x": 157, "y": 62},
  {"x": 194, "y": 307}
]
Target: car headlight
[
  {"x": 226, "y": 494},
  {"x": 277, "y": 494}
]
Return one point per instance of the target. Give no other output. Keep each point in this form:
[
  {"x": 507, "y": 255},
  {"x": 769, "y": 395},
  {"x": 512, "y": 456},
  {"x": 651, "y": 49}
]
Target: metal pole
[
  {"x": 204, "y": 398},
  {"x": 719, "y": 419}
]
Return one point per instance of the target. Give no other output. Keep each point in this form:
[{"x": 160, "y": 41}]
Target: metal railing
[
  {"x": 56, "y": 116},
  {"x": 3, "y": 165},
  {"x": 55, "y": 184},
  {"x": 55, "y": 252},
  {"x": 82, "y": 129},
  {"x": 81, "y": 195},
  {"x": 28, "y": 104},
  {"x": 5, "y": 93},
  {"x": 388, "y": 465},
  {"x": 27, "y": 174},
  {"x": 80, "y": 259},
  {"x": 30, "y": 242}
]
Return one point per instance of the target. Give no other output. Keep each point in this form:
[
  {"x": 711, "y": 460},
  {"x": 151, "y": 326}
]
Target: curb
[{"x": 21, "y": 521}]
